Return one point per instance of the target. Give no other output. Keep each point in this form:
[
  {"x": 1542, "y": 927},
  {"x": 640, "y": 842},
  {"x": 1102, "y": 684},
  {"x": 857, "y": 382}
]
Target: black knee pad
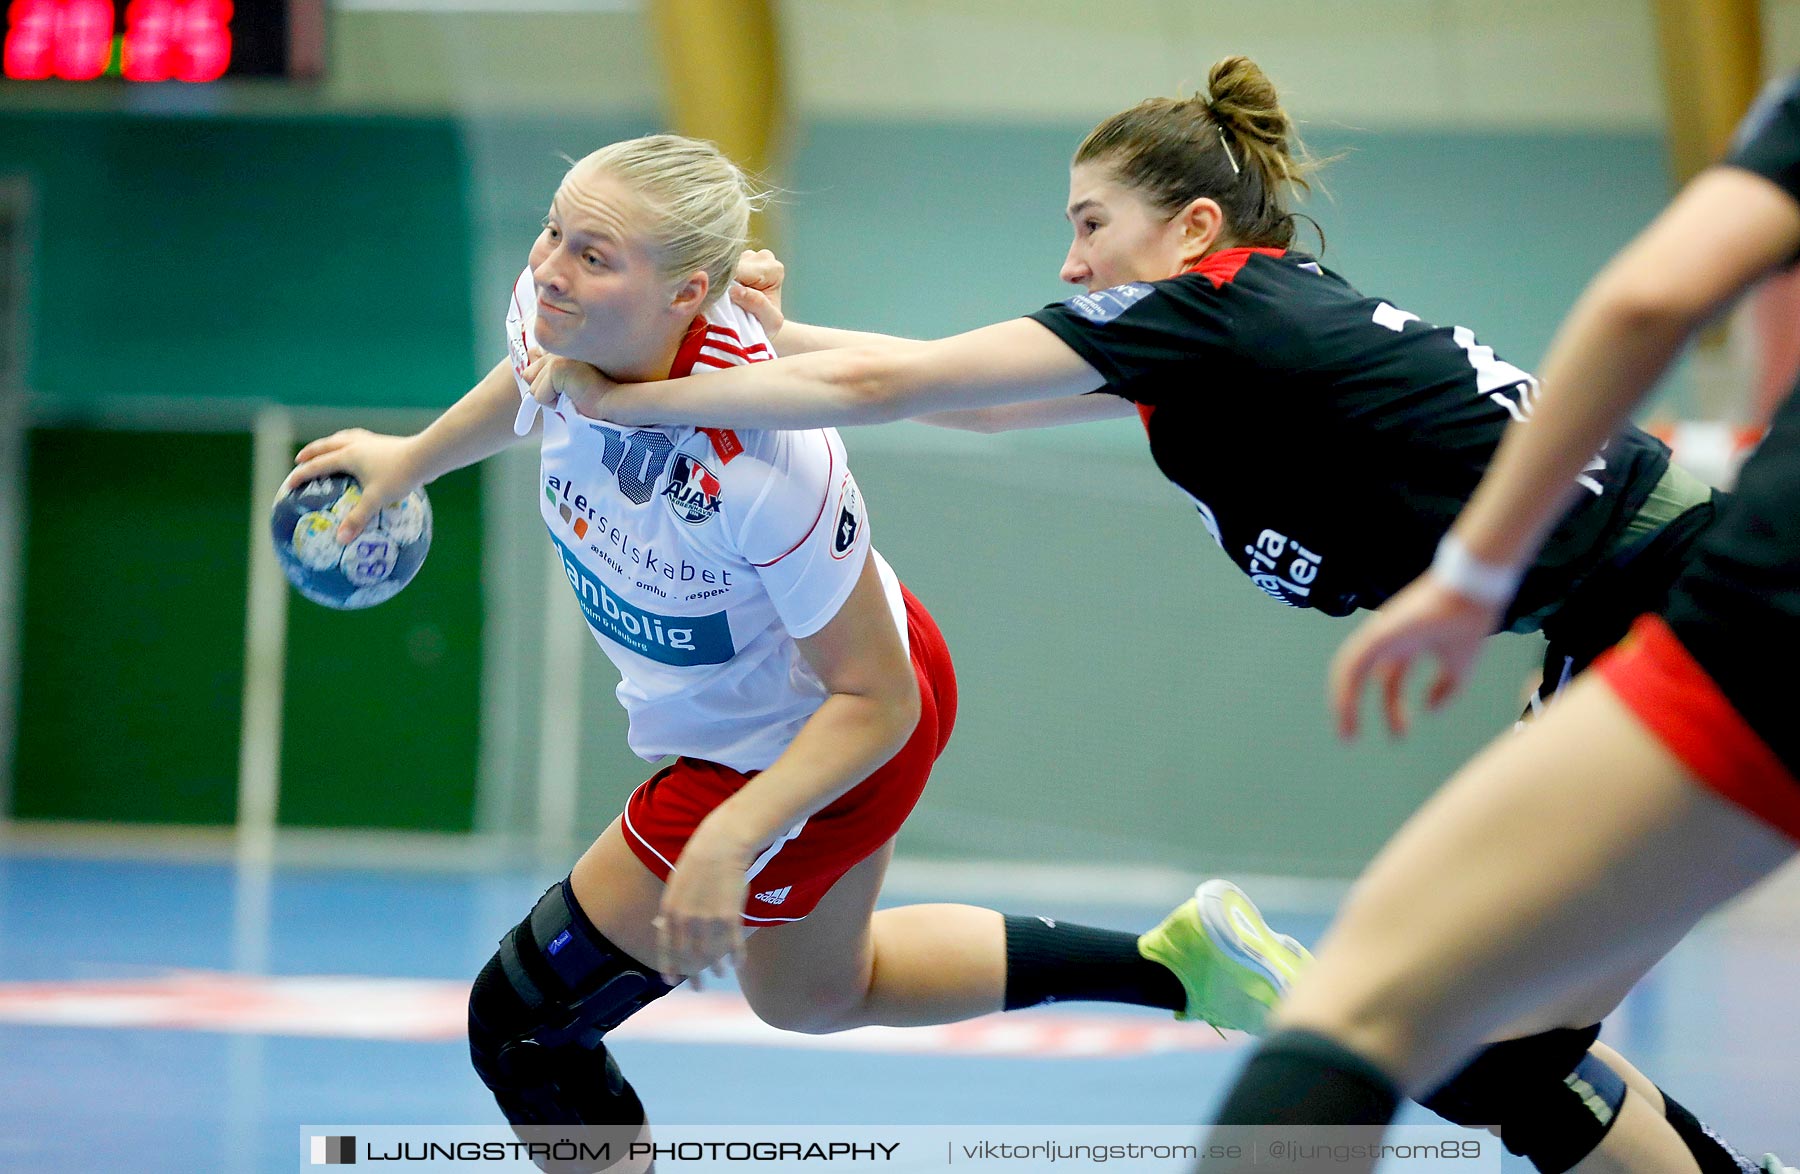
[
  {"x": 540, "y": 1009},
  {"x": 1554, "y": 1103}
]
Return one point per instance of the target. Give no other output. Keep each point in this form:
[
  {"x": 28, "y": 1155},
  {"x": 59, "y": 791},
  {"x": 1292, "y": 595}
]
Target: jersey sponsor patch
[
  {"x": 725, "y": 442},
  {"x": 673, "y": 640},
  {"x": 1282, "y": 567},
  {"x": 1103, "y": 305},
  {"x": 849, "y": 519},
  {"x": 693, "y": 491}
]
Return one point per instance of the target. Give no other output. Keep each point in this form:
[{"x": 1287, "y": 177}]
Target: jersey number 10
[{"x": 638, "y": 459}]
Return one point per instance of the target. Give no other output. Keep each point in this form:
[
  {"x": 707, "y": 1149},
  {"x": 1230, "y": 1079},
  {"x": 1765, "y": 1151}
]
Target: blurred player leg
[{"x": 1547, "y": 865}]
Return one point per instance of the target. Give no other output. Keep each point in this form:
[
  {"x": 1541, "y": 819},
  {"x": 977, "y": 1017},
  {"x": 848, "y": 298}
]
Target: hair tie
[{"x": 1235, "y": 169}]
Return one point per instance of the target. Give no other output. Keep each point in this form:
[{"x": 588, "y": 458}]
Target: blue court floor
[{"x": 173, "y": 1017}]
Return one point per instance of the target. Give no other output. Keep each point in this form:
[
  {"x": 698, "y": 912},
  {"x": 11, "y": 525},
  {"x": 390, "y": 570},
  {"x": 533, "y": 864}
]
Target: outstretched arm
[
  {"x": 1045, "y": 413},
  {"x": 1008, "y": 363},
  {"x": 1725, "y": 230},
  {"x": 758, "y": 290}
]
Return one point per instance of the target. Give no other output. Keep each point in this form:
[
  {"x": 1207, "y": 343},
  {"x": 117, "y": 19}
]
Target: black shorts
[
  {"x": 1736, "y": 609},
  {"x": 1634, "y": 580}
]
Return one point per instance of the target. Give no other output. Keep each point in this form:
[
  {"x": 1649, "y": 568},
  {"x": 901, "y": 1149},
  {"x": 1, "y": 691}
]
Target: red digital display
[
  {"x": 171, "y": 40},
  {"x": 158, "y": 40},
  {"x": 70, "y": 39}
]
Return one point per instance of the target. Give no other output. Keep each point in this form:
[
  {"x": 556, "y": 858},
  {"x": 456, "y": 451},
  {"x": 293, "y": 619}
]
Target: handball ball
[{"x": 372, "y": 567}]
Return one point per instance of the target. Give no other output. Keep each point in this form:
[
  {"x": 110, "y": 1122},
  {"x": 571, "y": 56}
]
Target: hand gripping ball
[{"x": 374, "y": 566}]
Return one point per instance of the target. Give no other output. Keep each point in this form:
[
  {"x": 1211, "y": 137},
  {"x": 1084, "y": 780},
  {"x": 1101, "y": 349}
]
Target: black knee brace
[
  {"x": 539, "y": 1010},
  {"x": 1554, "y": 1103}
]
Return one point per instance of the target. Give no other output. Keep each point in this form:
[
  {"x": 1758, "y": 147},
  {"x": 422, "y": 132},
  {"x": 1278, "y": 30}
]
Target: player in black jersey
[
  {"x": 1568, "y": 860},
  {"x": 1327, "y": 438}
]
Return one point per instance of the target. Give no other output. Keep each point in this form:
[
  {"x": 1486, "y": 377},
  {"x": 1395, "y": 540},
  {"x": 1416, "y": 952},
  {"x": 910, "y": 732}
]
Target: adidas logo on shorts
[{"x": 775, "y": 896}]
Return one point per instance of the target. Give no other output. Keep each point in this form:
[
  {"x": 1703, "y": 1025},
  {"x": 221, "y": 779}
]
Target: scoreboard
[{"x": 161, "y": 40}]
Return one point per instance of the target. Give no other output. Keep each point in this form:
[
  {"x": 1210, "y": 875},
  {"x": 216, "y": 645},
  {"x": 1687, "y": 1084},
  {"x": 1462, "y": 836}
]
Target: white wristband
[{"x": 1483, "y": 582}]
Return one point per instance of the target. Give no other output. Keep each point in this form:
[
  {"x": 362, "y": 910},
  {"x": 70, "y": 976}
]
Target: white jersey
[{"x": 698, "y": 554}]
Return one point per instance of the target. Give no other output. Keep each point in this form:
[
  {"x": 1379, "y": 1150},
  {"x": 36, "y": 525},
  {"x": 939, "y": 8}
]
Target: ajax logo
[
  {"x": 693, "y": 490},
  {"x": 849, "y": 520}
]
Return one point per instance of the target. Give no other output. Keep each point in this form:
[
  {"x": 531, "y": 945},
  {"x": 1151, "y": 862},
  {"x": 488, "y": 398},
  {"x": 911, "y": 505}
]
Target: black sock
[
  {"x": 1711, "y": 1152},
  {"x": 1302, "y": 1078},
  {"x": 1049, "y": 961}
]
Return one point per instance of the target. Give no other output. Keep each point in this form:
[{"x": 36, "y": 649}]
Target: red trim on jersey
[
  {"x": 731, "y": 355},
  {"x": 735, "y": 345},
  {"x": 1667, "y": 690},
  {"x": 725, "y": 443},
  {"x": 703, "y": 336},
  {"x": 735, "y": 352},
  {"x": 691, "y": 342},
  {"x": 734, "y": 336},
  {"x": 1145, "y": 411},
  {"x": 1222, "y": 267},
  {"x": 830, "y": 477}
]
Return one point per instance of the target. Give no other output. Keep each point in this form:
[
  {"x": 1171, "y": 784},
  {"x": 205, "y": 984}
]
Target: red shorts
[
  {"x": 788, "y": 880},
  {"x": 1667, "y": 689}
]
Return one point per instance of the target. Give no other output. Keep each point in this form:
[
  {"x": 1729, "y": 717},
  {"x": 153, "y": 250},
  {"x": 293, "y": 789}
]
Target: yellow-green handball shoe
[{"x": 1232, "y": 965}]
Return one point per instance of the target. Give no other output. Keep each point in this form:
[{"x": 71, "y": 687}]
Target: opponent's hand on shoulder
[
  {"x": 1428, "y": 617},
  {"x": 552, "y": 376},
  {"x": 386, "y": 466},
  {"x": 757, "y": 289}
]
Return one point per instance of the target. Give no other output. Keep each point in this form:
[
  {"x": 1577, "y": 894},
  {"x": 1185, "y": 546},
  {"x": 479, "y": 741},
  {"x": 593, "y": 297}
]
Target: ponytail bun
[
  {"x": 1235, "y": 145},
  {"x": 1243, "y": 103}
]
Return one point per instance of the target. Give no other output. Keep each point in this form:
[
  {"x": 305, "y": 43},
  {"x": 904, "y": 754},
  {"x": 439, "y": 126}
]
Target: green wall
[
  {"x": 136, "y": 551},
  {"x": 303, "y": 260},
  {"x": 136, "y": 569}
]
